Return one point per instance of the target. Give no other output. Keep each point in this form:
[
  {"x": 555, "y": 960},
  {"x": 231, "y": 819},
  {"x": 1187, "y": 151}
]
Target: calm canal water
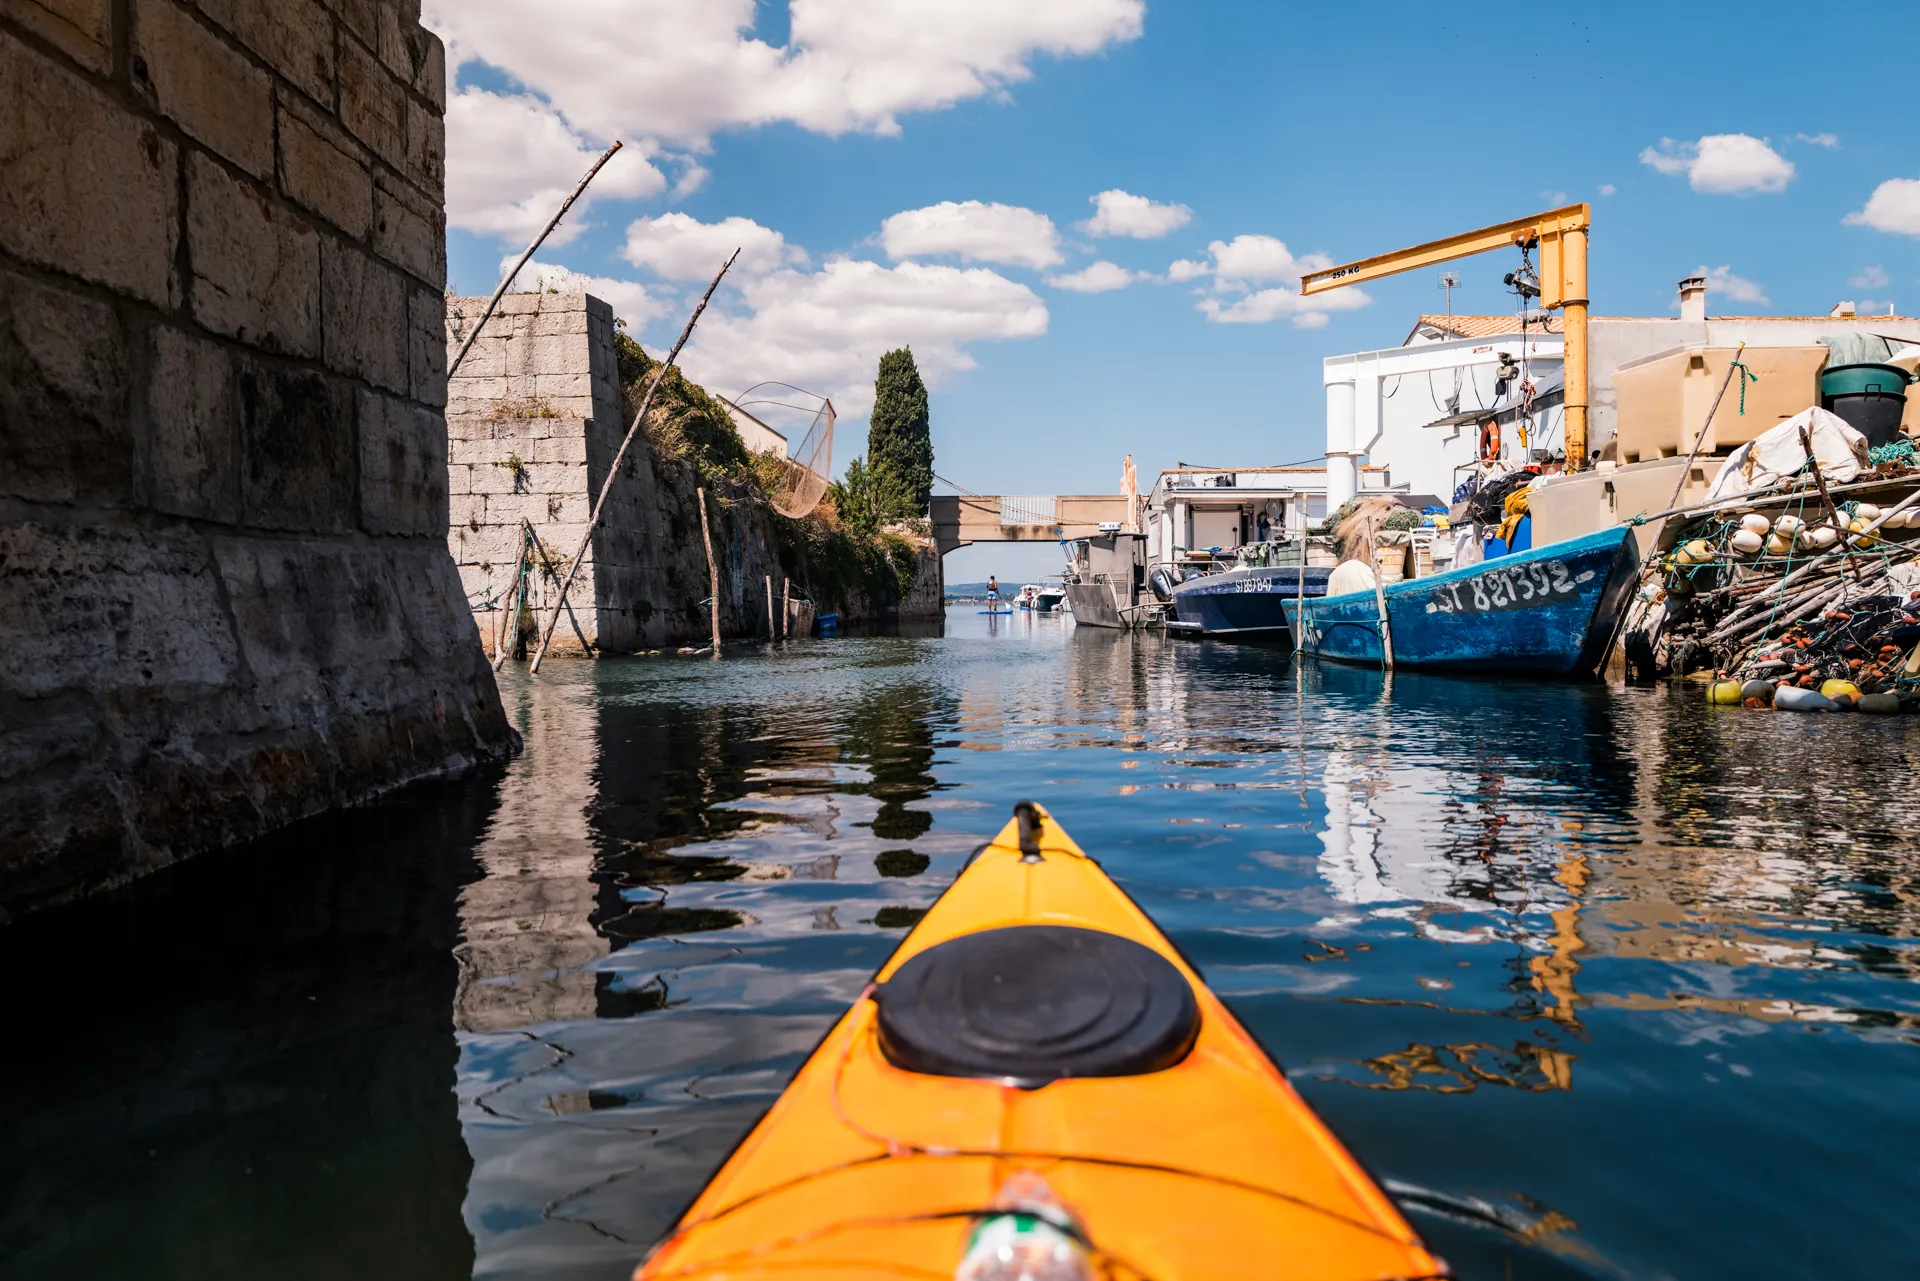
[{"x": 1632, "y": 975}]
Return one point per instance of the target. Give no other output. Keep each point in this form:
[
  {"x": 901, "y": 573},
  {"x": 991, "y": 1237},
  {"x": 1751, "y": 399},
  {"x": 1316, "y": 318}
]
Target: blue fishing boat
[
  {"x": 1244, "y": 604},
  {"x": 1549, "y": 611}
]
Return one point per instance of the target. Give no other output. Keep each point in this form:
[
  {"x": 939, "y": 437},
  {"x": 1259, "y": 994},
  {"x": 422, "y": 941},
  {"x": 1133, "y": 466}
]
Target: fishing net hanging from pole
[{"x": 793, "y": 411}]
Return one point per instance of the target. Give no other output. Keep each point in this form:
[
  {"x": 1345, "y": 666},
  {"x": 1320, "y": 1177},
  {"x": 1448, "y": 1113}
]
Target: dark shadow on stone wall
[{"x": 244, "y": 1067}]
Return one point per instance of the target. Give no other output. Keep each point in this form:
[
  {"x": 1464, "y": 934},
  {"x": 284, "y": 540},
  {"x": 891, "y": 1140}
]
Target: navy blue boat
[
  {"x": 1245, "y": 604},
  {"x": 1550, "y": 610}
]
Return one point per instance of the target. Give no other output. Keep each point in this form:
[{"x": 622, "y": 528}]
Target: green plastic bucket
[
  {"x": 1871, "y": 398},
  {"x": 1859, "y": 380}
]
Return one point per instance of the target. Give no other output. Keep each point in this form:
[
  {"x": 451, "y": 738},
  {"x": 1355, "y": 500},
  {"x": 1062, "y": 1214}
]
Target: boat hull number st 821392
[{"x": 1497, "y": 588}]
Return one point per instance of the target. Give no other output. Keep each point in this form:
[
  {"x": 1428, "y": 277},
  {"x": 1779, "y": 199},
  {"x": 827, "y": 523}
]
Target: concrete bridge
[{"x": 960, "y": 519}]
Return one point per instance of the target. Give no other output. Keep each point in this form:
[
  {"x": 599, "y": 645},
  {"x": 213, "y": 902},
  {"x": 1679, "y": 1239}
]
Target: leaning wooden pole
[
  {"x": 1700, "y": 438},
  {"x": 540, "y": 550},
  {"x": 646, "y": 403},
  {"x": 531, "y": 250},
  {"x": 1380, "y": 600},
  {"x": 510, "y": 609},
  {"x": 772, "y": 634},
  {"x": 713, "y": 571}
]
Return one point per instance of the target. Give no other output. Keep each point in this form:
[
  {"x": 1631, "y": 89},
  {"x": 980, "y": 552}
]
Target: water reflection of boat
[{"x": 1550, "y": 610}]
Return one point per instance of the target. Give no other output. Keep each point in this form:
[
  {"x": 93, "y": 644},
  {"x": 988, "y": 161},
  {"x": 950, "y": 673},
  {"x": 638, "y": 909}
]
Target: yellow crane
[{"x": 1561, "y": 237}]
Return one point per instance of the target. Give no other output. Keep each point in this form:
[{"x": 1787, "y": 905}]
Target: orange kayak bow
[{"x": 1037, "y": 1025}]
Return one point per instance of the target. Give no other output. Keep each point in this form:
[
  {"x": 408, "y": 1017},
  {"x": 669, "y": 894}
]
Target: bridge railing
[{"x": 1029, "y": 510}]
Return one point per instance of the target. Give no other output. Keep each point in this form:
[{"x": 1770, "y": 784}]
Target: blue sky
[{"x": 1337, "y": 131}]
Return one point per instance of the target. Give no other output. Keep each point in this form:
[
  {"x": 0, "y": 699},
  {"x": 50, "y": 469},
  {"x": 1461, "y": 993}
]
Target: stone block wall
[
  {"x": 534, "y": 419},
  {"x": 225, "y": 598}
]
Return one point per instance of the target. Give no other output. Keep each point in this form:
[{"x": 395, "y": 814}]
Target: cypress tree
[{"x": 899, "y": 440}]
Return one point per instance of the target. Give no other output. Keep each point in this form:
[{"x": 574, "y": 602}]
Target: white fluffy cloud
[
  {"x": 629, "y": 298},
  {"x": 1098, "y": 278},
  {"x": 678, "y": 71},
  {"x": 1875, "y": 277},
  {"x": 1248, "y": 260},
  {"x": 1723, "y": 164},
  {"x": 825, "y": 330},
  {"x": 1894, "y": 207},
  {"x": 1236, "y": 266},
  {"x": 1120, "y": 213},
  {"x": 679, "y": 247},
  {"x": 1273, "y": 304},
  {"x": 975, "y": 231},
  {"x": 666, "y": 75},
  {"x": 1722, "y": 281},
  {"x": 511, "y": 161},
  {"x": 1827, "y": 140}
]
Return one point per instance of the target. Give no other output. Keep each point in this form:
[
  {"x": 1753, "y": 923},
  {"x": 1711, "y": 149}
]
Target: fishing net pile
[
  {"x": 1356, "y": 525},
  {"x": 1811, "y": 576}
]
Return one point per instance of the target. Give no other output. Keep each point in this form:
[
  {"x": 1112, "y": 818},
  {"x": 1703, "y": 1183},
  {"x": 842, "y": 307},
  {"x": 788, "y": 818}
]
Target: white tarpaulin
[{"x": 1778, "y": 453}]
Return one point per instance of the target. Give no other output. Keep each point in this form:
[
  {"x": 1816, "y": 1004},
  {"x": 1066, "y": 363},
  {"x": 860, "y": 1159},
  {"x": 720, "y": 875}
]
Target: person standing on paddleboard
[{"x": 993, "y": 588}]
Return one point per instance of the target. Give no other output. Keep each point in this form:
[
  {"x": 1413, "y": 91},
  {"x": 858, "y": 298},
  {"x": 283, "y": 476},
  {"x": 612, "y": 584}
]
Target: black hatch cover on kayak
[{"x": 1035, "y": 1003}]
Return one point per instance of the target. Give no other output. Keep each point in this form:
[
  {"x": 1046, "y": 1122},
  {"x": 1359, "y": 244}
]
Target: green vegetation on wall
[{"x": 835, "y": 555}]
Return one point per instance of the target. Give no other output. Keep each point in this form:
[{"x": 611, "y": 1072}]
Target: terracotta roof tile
[{"x": 1486, "y": 326}]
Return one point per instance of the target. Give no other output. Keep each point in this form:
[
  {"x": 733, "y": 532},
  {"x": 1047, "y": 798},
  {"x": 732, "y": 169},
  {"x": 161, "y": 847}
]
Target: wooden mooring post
[{"x": 713, "y": 570}]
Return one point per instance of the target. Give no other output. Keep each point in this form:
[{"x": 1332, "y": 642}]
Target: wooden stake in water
[
  {"x": 713, "y": 571},
  {"x": 1300, "y": 596},
  {"x": 1380, "y": 599},
  {"x": 510, "y": 609},
  {"x": 646, "y": 403},
  {"x": 772, "y": 635},
  {"x": 539, "y": 549},
  {"x": 786, "y": 607},
  {"x": 537, "y": 242}
]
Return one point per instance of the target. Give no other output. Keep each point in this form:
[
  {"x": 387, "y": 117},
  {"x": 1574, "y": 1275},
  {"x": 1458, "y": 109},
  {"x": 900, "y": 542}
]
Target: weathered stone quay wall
[
  {"x": 534, "y": 419},
  {"x": 225, "y": 597}
]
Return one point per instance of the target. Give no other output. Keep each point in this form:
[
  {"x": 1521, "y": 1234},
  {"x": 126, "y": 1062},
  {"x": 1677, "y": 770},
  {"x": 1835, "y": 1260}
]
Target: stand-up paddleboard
[{"x": 1037, "y": 1068}]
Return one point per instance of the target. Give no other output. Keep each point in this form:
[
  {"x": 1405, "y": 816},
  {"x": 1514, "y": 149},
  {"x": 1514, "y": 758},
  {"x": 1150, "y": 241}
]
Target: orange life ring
[{"x": 1489, "y": 441}]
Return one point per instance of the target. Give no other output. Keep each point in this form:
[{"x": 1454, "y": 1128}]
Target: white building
[
  {"x": 1417, "y": 409},
  {"x": 759, "y": 437},
  {"x": 1193, "y": 510}
]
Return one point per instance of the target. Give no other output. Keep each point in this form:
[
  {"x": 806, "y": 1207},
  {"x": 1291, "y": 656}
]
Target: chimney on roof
[
  {"x": 1842, "y": 310},
  {"x": 1693, "y": 298}
]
